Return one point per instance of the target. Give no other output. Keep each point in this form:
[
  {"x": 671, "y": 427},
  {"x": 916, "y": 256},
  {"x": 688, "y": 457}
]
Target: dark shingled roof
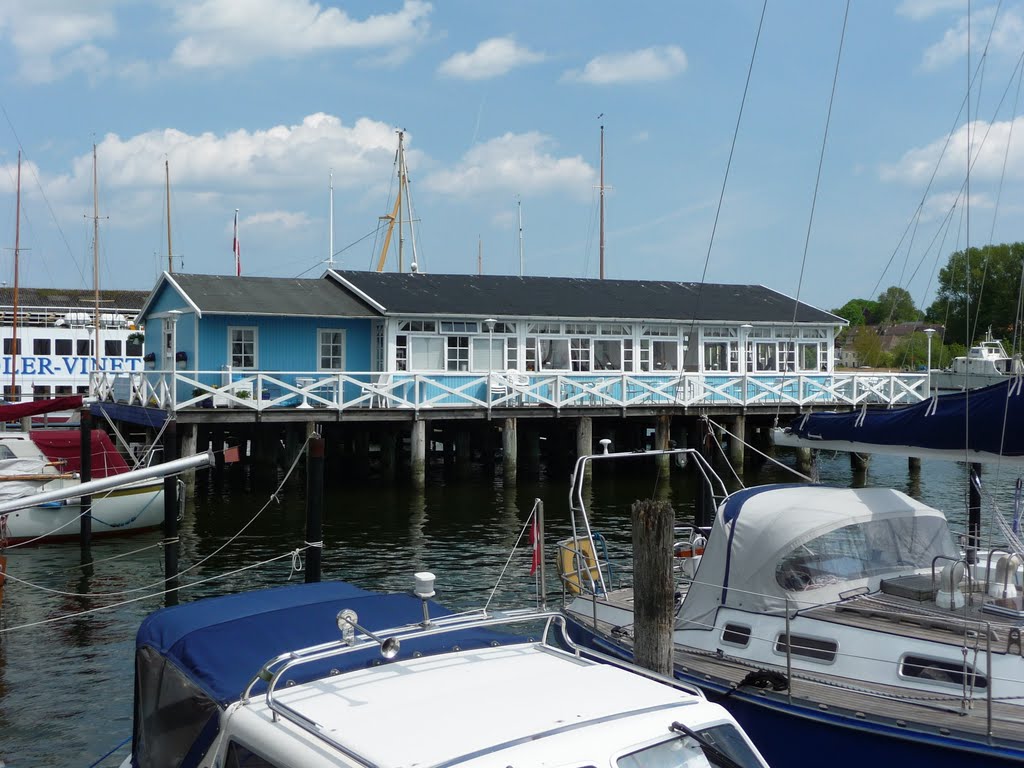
[
  {"x": 77, "y": 299},
  {"x": 294, "y": 297},
  {"x": 481, "y": 295}
]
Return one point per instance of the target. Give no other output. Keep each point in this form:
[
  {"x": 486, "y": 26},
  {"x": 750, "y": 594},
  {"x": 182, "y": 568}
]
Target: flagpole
[{"x": 237, "y": 249}]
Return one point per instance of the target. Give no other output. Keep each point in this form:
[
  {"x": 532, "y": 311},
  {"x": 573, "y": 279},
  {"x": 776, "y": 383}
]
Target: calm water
[{"x": 66, "y": 685}]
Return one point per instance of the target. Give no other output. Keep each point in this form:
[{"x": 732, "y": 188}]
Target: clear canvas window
[
  {"x": 426, "y": 353},
  {"x": 488, "y": 354}
]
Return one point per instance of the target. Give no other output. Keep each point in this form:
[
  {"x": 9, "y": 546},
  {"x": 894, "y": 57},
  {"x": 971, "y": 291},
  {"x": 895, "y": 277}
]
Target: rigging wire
[{"x": 728, "y": 166}]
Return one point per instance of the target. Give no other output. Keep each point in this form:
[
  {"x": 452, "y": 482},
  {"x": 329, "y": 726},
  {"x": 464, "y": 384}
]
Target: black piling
[
  {"x": 653, "y": 588},
  {"x": 170, "y": 445},
  {"x": 314, "y": 507},
  {"x": 85, "y": 471},
  {"x": 974, "y": 513}
]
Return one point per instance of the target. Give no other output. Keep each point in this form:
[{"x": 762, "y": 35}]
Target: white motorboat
[
  {"x": 985, "y": 364},
  {"x": 26, "y": 471},
  {"x": 836, "y": 621},
  {"x": 295, "y": 677}
]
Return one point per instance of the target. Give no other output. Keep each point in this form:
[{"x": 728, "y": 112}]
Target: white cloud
[
  {"x": 989, "y": 145},
  {"x": 54, "y": 38},
  {"x": 277, "y": 220},
  {"x": 491, "y": 58},
  {"x": 938, "y": 206},
  {"x": 645, "y": 65},
  {"x": 923, "y": 9},
  {"x": 1005, "y": 38},
  {"x": 226, "y": 33},
  {"x": 518, "y": 163}
]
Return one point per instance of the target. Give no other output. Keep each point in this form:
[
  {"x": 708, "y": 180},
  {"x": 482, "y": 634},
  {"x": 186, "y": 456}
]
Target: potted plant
[
  {"x": 181, "y": 359},
  {"x": 150, "y": 360},
  {"x": 206, "y": 402}
]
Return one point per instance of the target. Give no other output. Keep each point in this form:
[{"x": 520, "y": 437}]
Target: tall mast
[
  {"x": 330, "y": 240},
  {"x": 96, "y": 257},
  {"x": 401, "y": 186},
  {"x": 602, "y": 200},
  {"x": 14, "y": 325},
  {"x": 167, "y": 185},
  {"x": 519, "y": 205}
]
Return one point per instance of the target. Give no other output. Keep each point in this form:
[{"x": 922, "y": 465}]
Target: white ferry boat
[{"x": 55, "y": 344}]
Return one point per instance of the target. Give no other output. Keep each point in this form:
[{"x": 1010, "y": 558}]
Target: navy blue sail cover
[
  {"x": 988, "y": 420},
  {"x": 191, "y": 660}
]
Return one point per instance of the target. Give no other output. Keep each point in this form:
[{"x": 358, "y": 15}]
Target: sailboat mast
[
  {"x": 519, "y": 205},
  {"x": 602, "y": 203},
  {"x": 401, "y": 186},
  {"x": 13, "y": 397},
  {"x": 96, "y": 257},
  {"x": 330, "y": 239},
  {"x": 167, "y": 185}
]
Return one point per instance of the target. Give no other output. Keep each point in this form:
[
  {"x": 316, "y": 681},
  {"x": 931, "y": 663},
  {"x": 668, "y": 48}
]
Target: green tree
[
  {"x": 858, "y": 312},
  {"x": 977, "y": 290},
  {"x": 896, "y": 305}
]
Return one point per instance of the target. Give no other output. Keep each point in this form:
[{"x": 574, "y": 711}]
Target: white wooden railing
[{"x": 259, "y": 391}]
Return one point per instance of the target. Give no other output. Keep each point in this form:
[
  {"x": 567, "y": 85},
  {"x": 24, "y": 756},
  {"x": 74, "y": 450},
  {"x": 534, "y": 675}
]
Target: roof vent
[{"x": 414, "y": 268}]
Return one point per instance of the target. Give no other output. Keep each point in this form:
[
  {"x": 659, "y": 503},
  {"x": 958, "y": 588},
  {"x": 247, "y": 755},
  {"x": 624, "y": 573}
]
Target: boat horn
[{"x": 348, "y": 623}]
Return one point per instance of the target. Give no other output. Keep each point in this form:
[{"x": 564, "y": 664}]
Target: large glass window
[
  {"x": 242, "y": 352},
  {"x": 608, "y": 354},
  {"x": 112, "y": 347},
  {"x": 488, "y": 354},
  {"x": 553, "y": 354},
  {"x": 40, "y": 346},
  {"x": 764, "y": 356},
  {"x": 426, "y": 353},
  {"x": 62, "y": 346},
  {"x": 83, "y": 347},
  {"x": 716, "y": 356},
  {"x": 9, "y": 345},
  {"x": 331, "y": 344}
]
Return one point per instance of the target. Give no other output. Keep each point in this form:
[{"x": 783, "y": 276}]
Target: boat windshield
[
  {"x": 864, "y": 550},
  {"x": 726, "y": 748}
]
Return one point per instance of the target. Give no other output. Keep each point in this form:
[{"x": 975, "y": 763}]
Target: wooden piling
[
  {"x": 737, "y": 441},
  {"x": 314, "y": 506},
  {"x": 804, "y": 460},
  {"x": 509, "y": 451},
  {"x": 653, "y": 588},
  {"x": 189, "y": 440},
  {"x": 85, "y": 472},
  {"x": 662, "y": 435},
  {"x": 859, "y": 461},
  {"x": 585, "y": 441},
  {"x": 418, "y": 448},
  {"x": 170, "y": 443}
]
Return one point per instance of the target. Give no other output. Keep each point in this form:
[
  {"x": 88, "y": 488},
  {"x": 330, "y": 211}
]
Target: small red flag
[
  {"x": 231, "y": 455},
  {"x": 535, "y": 543},
  {"x": 236, "y": 248}
]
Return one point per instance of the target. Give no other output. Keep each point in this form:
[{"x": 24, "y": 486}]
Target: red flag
[
  {"x": 535, "y": 543},
  {"x": 236, "y": 249},
  {"x": 231, "y": 455}
]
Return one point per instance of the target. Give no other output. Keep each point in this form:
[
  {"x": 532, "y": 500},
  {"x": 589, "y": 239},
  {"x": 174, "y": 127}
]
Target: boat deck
[{"x": 820, "y": 692}]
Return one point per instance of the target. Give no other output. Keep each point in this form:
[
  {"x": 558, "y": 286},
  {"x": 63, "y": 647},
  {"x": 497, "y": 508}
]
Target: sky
[{"x": 819, "y": 150}]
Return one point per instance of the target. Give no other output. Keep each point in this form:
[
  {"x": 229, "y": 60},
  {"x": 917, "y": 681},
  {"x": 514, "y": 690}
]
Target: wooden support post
[
  {"x": 314, "y": 507},
  {"x": 85, "y": 521},
  {"x": 510, "y": 450},
  {"x": 189, "y": 437},
  {"x": 418, "y": 448},
  {"x": 662, "y": 432},
  {"x": 914, "y": 465},
  {"x": 463, "y": 451},
  {"x": 859, "y": 461},
  {"x": 388, "y": 453},
  {"x": 171, "y": 516},
  {"x": 737, "y": 444},
  {"x": 585, "y": 441},
  {"x": 653, "y": 588},
  {"x": 804, "y": 460},
  {"x": 362, "y": 448}
]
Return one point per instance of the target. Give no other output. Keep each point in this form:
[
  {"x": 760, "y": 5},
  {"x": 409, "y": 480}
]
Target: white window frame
[
  {"x": 255, "y": 347},
  {"x": 320, "y": 348}
]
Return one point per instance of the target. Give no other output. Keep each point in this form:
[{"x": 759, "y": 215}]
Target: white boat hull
[{"x": 131, "y": 508}]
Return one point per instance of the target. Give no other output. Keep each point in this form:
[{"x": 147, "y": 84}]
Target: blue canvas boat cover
[
  {"x": 221, "y": 642},
  {"x": 194, "y": 659},
  {"x": 975, "y": 425}
]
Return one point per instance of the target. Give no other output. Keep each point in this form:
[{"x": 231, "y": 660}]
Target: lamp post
[
  {"x": 929, "y": 332},
  {"x": 489, "y": 322}
]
